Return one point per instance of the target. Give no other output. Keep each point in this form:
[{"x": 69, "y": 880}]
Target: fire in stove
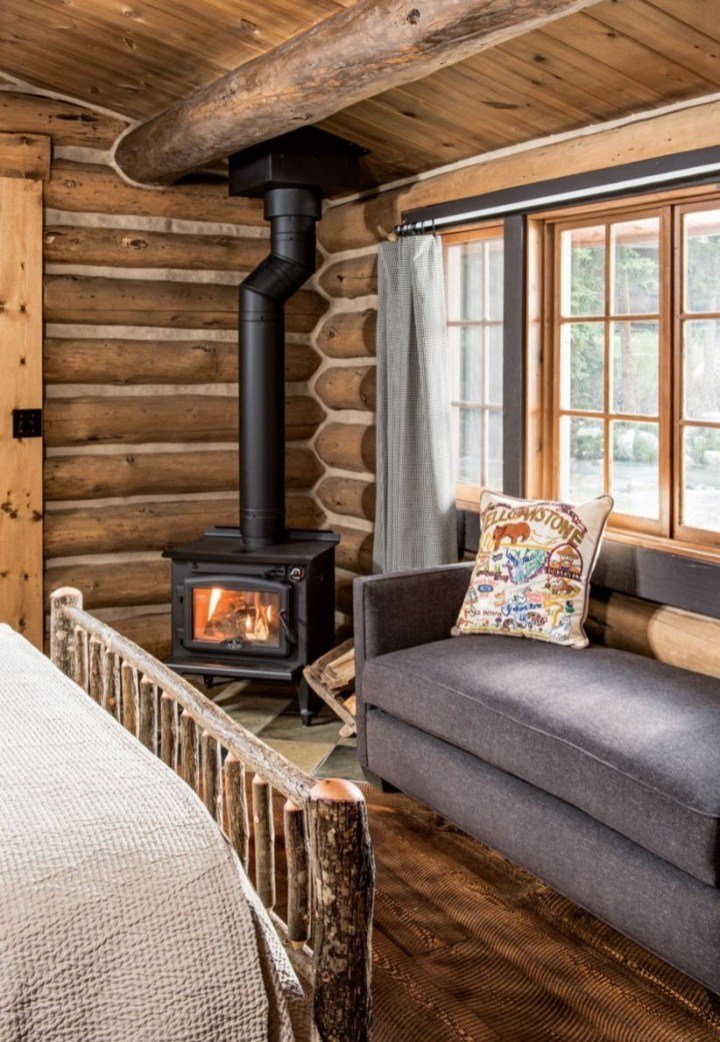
[{"x": 242, "y": 617}]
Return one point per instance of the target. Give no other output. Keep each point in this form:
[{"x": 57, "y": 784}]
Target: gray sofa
[{"x": 597, "y": 770}]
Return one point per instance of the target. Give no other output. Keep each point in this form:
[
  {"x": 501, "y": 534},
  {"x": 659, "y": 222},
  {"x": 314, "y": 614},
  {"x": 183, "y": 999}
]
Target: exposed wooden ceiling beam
[{"x": 351, "y": 56}]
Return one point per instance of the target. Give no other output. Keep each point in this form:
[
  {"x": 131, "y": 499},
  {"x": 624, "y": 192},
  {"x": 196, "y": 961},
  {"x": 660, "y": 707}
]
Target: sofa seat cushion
[{"x": 631, "y": 741}]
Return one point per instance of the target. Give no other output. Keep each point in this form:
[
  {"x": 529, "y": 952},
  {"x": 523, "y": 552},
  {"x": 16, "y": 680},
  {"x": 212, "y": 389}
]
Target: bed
[{"x": 134, "y": 813}]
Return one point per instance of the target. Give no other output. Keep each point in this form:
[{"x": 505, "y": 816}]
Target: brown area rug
[{"x": 469, "y": 948}]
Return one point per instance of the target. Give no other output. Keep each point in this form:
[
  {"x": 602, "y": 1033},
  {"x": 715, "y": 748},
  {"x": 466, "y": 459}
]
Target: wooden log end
[
  {"x": 336, "y": 790},
  {"x": 67, "y": 595}
]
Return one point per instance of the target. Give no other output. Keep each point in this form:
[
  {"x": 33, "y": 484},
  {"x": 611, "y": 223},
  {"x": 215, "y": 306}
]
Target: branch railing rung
[{"x": 328, "y": 855}]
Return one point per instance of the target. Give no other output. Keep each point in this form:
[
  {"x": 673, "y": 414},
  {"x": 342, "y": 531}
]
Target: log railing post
[
  {"x": 210, "y": 761},
  {"x": 343, "y": 883},
  {"x": 62, "y": 630},
  {"x": 147, "y": 715},
  {"x": 80, "y": 666},
  {"x": 264, "y": 836},
  {"x": 235, "y": 812},
  {"x": 130, "y": 697},
  {"x": 110, "y": 676},
  {"x": 95, "y": 670},
  {"x": 189, "y": 751},
  {"x": 168, "y": 729},
  {"x": 298, "y": 875}
]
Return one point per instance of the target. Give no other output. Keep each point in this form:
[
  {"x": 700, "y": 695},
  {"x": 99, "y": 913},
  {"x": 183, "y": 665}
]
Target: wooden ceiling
[{"x": 138, "y": 56}]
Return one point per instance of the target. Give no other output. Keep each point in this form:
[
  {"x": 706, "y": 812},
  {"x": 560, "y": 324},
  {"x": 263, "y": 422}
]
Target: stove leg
[{"x": 309, "y": 702}]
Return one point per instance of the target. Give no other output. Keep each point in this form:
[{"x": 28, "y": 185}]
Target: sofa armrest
[
  {"x": 402, "y": 610},
  {"x": 405, "y": 609}
]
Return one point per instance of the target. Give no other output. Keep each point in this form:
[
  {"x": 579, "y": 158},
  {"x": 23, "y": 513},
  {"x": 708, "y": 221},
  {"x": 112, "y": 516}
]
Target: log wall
[
  {"x": 140, "y": 368},
  {"x": 345, "y": 387}
]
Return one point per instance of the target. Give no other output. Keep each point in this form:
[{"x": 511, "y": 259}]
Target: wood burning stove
[
  {"x": 253, "y": 613},
  {"x": 259, "y": 601}
]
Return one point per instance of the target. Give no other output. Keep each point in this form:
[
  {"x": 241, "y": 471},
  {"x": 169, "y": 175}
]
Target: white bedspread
[{"x": 124, "y": 914}]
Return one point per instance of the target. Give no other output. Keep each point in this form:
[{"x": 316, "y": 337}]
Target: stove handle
[{"x": 290, "y": 634}]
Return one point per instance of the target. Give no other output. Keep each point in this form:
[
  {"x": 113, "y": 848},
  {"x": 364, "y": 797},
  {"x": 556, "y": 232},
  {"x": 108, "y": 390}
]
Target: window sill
[
  {"x": 468, "y": 497},
  {"x": 707, "y": 554}
]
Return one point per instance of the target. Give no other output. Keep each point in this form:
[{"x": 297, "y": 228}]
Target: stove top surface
[{"x": 226, "y": 544}]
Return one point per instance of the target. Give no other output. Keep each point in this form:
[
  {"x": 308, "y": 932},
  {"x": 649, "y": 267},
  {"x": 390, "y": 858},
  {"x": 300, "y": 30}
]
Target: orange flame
[{"x": 215, "y": 595}]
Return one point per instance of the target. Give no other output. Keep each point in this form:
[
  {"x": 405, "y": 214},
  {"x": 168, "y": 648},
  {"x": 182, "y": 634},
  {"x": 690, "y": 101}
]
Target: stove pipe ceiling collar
[{"x": 291, "y": 173}]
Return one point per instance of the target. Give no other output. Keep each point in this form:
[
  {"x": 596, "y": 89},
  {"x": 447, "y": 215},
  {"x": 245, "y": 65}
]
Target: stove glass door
[{"x": 239, "y": 617}]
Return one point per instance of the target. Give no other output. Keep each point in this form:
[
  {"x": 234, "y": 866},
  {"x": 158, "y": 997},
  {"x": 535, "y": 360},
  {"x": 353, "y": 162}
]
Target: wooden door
[{"x": 24, "y": 161}]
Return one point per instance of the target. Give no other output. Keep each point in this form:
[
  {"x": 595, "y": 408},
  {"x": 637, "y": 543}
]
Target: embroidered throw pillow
[{"x": 532, "y": 572}]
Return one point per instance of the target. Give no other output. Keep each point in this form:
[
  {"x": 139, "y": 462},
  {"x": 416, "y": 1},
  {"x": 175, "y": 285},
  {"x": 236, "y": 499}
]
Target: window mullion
[
  {"x": 607, "y": 459},
  {"x": 669, "y": 376}
]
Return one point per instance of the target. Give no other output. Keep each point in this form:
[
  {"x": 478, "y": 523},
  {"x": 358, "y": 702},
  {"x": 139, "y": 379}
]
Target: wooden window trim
[
  {"x": 471, "y": 232},
  {"x": 541, "y": 403}
]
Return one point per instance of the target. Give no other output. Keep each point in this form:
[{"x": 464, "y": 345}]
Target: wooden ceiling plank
[
  {"x": 363, "y": 122},
  {"x": 104, "y": 88},
  {"x": 558, "y": 85},
  {"x": 699, "y": 14},
  {"x": 447, "y": 104},
  {"x": 150, "y": 26},
  {"x": 670, "y": 38},
  {"x": 347, "y": 58},
  {"x": 90, "y": 70},
  {"x": 460, "y": 136},
  {"x": 360, "y": 124},
  {"x": 619, "y": 52},
  {"x": 142, "y": 59},
  {"x": 534, "y": 89},
  {"x": 488, "y": 128},
  {"x": 583, "y": 72}
]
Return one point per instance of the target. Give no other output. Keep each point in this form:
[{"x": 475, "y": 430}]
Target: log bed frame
[{"x": 330, "y": 868}]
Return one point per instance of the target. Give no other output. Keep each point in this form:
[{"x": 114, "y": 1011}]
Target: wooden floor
[{"x": 467, "y": 948}]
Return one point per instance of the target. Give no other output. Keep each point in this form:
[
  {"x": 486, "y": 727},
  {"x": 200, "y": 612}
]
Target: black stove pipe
[{"x": 292, "y": 213}]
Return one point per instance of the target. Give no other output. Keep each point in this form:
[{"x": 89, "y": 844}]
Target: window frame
[
  {"x": 685, "y": 534},
  {"x": 668, "y": 533},
  {"x": 468, "y": 495},
  {"x": 618, "y": 521}
]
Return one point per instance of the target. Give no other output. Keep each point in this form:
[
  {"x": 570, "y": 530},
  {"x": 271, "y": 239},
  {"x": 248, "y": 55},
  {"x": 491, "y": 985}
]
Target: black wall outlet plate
[{"x": 27, "y": 423}]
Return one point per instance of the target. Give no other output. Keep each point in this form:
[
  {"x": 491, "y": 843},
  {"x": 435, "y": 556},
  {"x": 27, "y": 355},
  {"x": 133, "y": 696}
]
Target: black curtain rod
[{"x": 700, "y": 166}]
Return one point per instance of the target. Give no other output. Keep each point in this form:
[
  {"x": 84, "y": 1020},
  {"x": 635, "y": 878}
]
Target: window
[
  {"x": 636, "y": 367},
  {"x": 474, "y": 284}
]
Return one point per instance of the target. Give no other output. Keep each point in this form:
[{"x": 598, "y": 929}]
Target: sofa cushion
[{"x": 631, "y": 741}]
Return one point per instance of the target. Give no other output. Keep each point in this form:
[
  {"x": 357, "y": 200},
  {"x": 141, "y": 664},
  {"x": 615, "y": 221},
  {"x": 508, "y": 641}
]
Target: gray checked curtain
[{"x": 415, "y": 515}]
